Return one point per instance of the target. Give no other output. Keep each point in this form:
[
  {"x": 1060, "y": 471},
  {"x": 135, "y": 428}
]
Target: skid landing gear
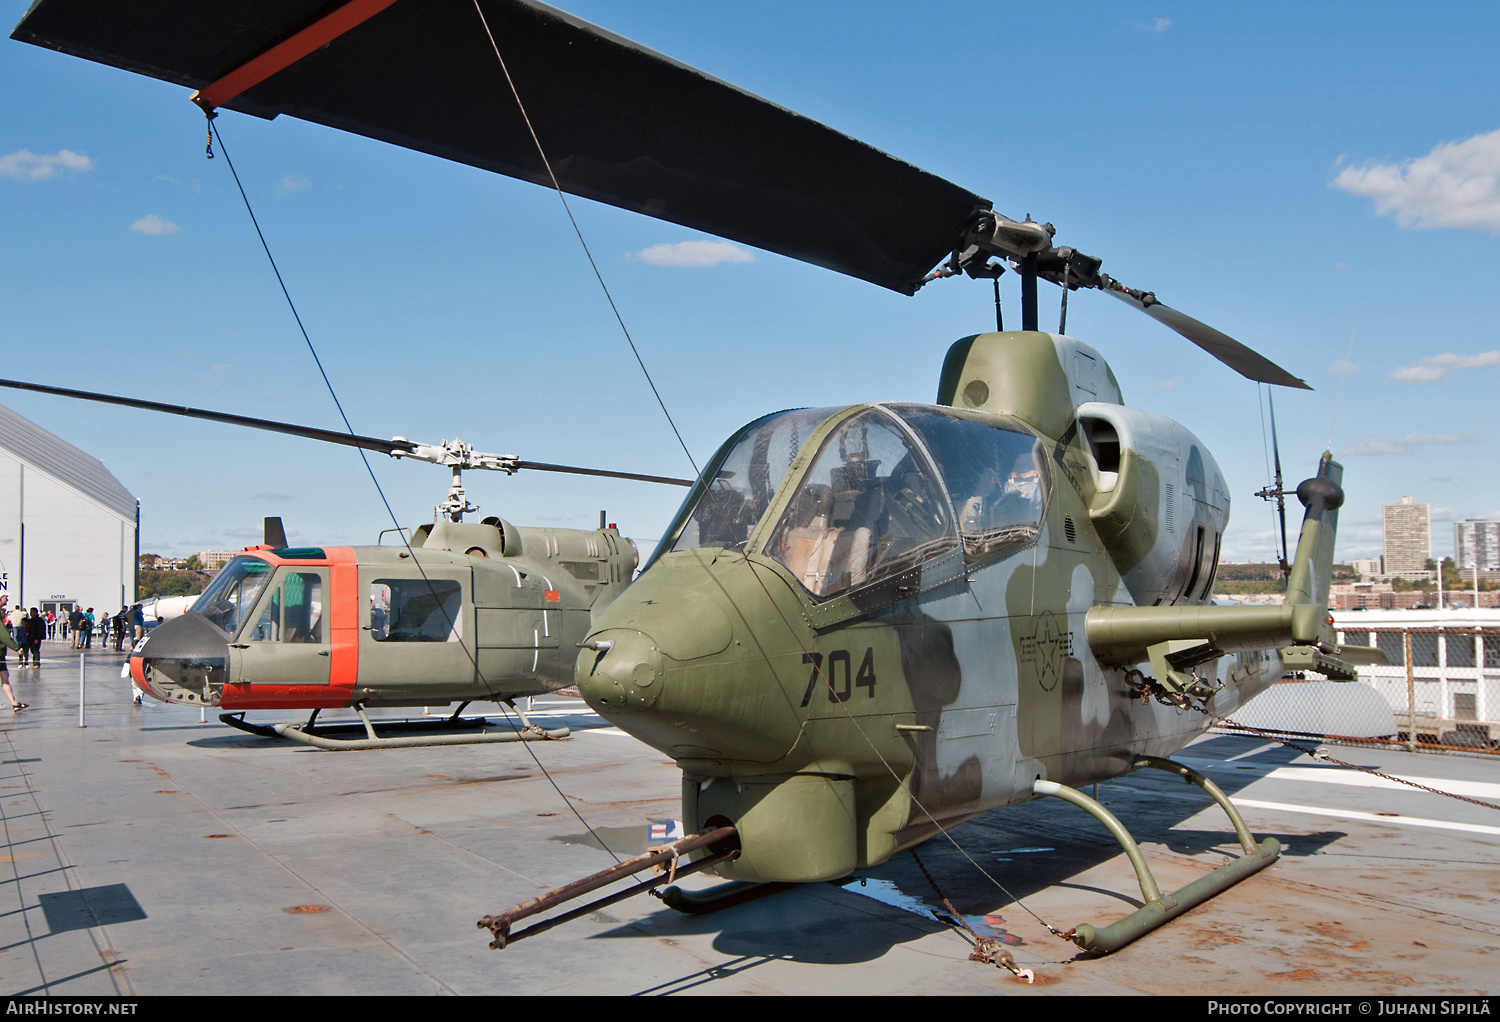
[
  {"x": 1160, "y": 908},
  {"x": 453, "y": 730}
]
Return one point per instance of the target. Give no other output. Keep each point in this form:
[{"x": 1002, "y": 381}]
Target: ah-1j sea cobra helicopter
[{"x": 866, "y": 624}]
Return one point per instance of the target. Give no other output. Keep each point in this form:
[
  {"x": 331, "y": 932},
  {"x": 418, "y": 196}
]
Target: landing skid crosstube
[
  {"x": 1161, "y": 908},
  {"x": 452, "y": 730}
]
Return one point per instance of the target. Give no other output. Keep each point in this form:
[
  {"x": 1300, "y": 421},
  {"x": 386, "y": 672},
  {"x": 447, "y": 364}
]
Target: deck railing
[{"x": 1440, "y": 691}]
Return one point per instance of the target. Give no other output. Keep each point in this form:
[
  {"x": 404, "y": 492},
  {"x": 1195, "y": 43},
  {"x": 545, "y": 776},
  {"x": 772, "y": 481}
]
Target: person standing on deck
[
  {"x": 36, "y": 626},
  {"x": 7, "y": 642},
  {"x": 19, "y": 631}
]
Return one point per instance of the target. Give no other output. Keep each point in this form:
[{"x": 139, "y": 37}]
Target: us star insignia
[{"x": 1045, "y": 649}]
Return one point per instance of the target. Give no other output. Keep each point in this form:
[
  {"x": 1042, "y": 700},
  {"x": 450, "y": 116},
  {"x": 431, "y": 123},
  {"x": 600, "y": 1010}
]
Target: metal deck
[{"x": 150, "y": 854}]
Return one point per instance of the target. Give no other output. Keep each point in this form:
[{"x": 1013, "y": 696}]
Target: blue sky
[{"x": 1293, "y": 174}]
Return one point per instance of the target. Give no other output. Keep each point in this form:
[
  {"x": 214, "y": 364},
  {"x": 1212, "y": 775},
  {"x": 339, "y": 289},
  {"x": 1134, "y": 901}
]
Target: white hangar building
[{"x": 68, "y": 529}]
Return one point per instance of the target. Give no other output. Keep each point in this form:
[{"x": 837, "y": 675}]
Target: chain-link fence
[{"x": 1440, "y": 691}]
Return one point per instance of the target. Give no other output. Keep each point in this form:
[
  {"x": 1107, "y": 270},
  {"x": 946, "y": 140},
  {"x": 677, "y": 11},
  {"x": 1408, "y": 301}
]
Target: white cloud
[
  {"x": 1343, "y": 366},
  {"x": 1457, "y": 186},
  {"x": 1435, "y": 368},
  {"x": 216, "y": 374},
  {"x": 292, "y": 183},
  {"x": 1154, "y": 25},
  {"x": 1372, "y": 445},
  {"x": 25, "y": 165},
  {"x": 154, "y": 225},
  {"x": 1163, "y": 385},
  {"x": 693, "y": 254}
]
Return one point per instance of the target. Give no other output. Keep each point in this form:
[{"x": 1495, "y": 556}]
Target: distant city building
[
  {"x": 215, "y": 559},
  {"x": 1408, "y": 537},
  {"x": 1382, "y": 596},
  {"x": 1378, "y": 595},
  {"x": 1367, "y": 566},
  {"x": 1477, "y": 544}
]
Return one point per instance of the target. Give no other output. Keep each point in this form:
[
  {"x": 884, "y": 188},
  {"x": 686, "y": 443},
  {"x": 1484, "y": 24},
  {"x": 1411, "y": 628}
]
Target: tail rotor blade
[{"x": 1286, "y": 569}]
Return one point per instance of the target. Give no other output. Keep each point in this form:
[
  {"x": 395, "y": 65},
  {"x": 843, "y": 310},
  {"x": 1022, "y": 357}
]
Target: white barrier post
[{"x": 80, "y": 691}]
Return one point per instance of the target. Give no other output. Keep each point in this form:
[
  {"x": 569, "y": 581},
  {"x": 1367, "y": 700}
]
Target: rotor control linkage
[
  {"x": 1160, "y": 908},
  {"x": 723, "y": 845},
  {"x": 1027, "y": 247}
]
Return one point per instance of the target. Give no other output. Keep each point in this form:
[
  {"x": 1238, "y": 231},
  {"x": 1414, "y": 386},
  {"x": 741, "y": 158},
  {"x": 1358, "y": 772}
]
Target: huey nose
[{"x": 183, "y": 661}]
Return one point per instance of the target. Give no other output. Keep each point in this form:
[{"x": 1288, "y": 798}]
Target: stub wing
[{"x": 1174, "y": 640}]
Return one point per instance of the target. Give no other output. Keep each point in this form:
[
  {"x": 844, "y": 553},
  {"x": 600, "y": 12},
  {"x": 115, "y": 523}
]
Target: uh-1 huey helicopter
[
  {"x": 459, "y": 612},
  {"x": 867, "y": 623}
]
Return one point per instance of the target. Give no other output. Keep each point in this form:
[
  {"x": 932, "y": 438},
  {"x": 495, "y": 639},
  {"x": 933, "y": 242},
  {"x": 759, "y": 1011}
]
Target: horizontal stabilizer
[{"x": 1311, "y": 658}]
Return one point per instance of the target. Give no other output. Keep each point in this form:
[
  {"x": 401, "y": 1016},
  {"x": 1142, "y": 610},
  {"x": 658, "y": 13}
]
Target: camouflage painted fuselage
[{"x": 837, "y": 719}]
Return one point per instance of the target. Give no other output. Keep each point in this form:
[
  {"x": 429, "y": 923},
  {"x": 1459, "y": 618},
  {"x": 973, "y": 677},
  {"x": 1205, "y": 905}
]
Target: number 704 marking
[{"x": 836, "y": 678}]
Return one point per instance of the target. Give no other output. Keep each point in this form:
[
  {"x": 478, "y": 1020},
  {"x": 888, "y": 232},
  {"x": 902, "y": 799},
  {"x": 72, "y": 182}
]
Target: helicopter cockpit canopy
[
  {"x": 233, "y": 592},
  {"x": 746, "y": 473},
  {"x": 868, "y": 506},
  {"x": 996, "y": 477},
  {"x": 890, "y": 487}
]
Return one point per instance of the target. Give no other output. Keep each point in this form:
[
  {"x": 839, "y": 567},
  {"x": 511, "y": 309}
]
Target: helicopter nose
[
  {"x": 621, "y": 668},
  {"x": 673, "y": 664},
  {"x": 183, "y": 661}
]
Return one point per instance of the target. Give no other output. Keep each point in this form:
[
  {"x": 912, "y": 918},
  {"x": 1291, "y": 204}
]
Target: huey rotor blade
[
  {"x": 620, "y": 123},
  {"x": 1243, "y": 360},
  {"x": 394, "y": 448},
  {"x": 572, "y": 470},
  {"x": 369, "y": 443}
]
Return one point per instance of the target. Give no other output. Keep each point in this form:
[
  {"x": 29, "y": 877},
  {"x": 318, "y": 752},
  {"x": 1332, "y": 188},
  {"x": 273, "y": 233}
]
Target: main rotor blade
[
  {"x": 369, "y": 443},
  {"x": 394, "y": 448},
  {"x": 571, "y": 470},
  {"x": 620, "y": 123},
  {"x": 1243, "y": 360}
]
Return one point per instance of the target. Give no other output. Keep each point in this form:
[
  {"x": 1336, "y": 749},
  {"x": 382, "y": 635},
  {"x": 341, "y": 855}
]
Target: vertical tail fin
[{"x": 1312, "y": 568}]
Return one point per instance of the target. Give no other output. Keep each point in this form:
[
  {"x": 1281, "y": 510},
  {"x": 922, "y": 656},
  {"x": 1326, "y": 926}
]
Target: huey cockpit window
[
  {"x": 415, "y": 610},
  {"x": 869, "y": 506},
  {"x": 743, "y": 476},
  {"x": 233, "y": 592},
  {"x": 997, "y": 478},
  {"x": 295, "y": 613}
]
